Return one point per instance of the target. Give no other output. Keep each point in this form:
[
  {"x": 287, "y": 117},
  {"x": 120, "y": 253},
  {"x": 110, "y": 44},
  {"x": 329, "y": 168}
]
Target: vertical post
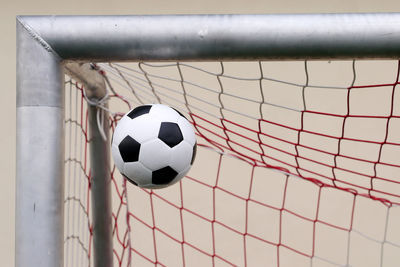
[
  {"x": 95, "y": 91},
  {"x": 40, "y": 153},
  {"x": 101, "y": 189}
]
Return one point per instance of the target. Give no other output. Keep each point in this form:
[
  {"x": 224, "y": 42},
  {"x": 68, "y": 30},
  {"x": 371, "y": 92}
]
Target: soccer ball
[{"x": 153, "y": 146}]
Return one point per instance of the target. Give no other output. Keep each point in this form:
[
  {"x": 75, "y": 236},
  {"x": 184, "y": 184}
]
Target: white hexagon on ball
[
  {"x": 181, "y": 156},
  {"x": 118, "y": 161},
  {"x": 141, "y": 173},
  {"x": 153, "y": 146},
  {"x": 155, "y": 154},
  {"x": 164, "y": 113},
  {"x": 143, "y": 128},
  {"x": 187, "y": 131}
]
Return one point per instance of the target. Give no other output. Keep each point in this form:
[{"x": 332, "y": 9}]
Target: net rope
[{"x": 291, "y": 169}]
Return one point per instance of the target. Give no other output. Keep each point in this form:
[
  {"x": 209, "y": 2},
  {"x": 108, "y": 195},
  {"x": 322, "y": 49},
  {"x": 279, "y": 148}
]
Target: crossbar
[{"x": 211, "y": 37}]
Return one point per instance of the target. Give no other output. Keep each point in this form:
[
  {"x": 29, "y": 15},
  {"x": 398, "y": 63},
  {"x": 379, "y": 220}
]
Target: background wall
[{"x": 9, "y": 9}]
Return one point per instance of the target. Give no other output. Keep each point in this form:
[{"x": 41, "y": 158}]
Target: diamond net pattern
[{"x": 298, "y": 164}]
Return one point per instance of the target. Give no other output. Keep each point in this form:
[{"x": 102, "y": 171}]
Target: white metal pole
[
  {"x": 215, "y": 37},
  {"x": 40, "y": 154}
]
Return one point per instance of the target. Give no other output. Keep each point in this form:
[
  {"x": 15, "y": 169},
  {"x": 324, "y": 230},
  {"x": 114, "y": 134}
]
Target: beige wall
[{"x": 9, "y": 9}]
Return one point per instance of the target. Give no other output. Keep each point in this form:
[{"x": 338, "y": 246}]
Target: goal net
[{"x": 298, "y": 164}]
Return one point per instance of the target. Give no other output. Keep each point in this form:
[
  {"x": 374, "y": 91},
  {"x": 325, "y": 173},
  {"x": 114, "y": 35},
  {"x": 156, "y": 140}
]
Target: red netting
[{"x": 273, "y": 185}]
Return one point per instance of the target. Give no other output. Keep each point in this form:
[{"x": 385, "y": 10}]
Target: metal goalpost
[{"x": 49, "y": 46}]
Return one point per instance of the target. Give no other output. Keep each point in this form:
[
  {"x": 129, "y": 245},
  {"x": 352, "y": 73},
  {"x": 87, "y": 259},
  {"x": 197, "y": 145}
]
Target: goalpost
[{"x": 297, "y": 120}]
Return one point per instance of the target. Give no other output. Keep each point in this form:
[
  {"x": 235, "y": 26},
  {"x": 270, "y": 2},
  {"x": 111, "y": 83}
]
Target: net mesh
[{"x": 297, "y": 163}]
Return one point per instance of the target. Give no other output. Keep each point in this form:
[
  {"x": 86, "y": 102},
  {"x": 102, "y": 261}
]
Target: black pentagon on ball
[
  {"x": 129, "y": 149},
  {"x": 163, "y": 176},
  {"x": 138, "y": 111},
  {"x": 170, "y": 134}
]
